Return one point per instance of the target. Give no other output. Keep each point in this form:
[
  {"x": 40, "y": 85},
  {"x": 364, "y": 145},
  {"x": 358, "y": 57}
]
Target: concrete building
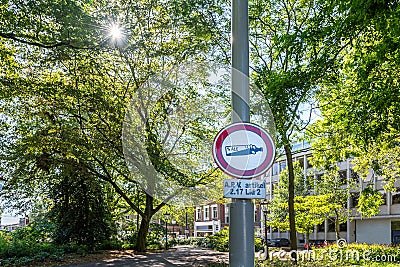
[
  {"x": 11, "y": 227},
  {"x": 383, "y": 228}
]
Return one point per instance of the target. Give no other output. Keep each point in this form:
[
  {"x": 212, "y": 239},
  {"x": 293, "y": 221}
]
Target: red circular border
[{"x": 224, "y": 166}]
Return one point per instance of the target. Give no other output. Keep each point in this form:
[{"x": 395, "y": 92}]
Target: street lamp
[
  {"x": 186, "y": 220},
  {"x": 264, "y": 208},
  {"x": 166, "y": 216}
]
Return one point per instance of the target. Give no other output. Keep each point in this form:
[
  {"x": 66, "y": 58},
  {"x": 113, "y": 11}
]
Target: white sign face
[
  {"x": 237, "y": 188},
  {"x": 243, "y": 150}
]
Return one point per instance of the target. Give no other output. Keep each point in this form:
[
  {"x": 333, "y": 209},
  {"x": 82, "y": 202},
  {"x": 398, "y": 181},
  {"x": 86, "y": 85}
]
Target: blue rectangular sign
[{"x": 240, "y": 188}]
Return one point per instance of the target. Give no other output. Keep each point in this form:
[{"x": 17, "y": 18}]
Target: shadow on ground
[{"x": 178, "y": 256}]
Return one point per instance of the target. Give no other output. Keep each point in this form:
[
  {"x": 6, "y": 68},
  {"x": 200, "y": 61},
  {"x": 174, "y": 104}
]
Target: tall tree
[
  {"x": 311, "y": 208},
  {"x": 339, "y": 186},
  {"x": 311, "y": 211},
  {"x": 68, "y": 96},
  {"x": 359, "y": 108},
  {"x": 294, "y": 45}
]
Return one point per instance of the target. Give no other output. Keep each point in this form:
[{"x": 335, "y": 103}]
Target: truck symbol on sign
[{"x": 242, "y": 150}]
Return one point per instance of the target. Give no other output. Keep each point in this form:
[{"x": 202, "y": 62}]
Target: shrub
[
  {"x": 110, "y": 244},
  {"x": 258, "y": 244},
  {"x": 219, "y": 241},
  {"x": 25, "y": 245},
  {"x": 155, "y": 236}
]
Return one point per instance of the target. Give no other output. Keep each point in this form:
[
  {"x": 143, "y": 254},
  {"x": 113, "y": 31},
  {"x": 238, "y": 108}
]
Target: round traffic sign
[{"x": 243, "y": 150}]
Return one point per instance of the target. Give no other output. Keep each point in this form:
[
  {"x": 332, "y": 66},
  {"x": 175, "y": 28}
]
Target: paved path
[{"x": 178, "y": 256}]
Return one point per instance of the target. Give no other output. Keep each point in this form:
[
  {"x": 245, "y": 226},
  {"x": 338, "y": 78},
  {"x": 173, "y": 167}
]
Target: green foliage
[
  {"x": 278, "y": 207},
  {"x": 80, "y": 211},
  {"x": 369, "y": 202},
  {"x": 312, "y": 211},
  {"x": 26, "y": 245},
  {"x": 359, "y": 107},
  {"x": 258, "y": 244},
  {"x": 40, "y": 230},
  {"x": 155, "y": 237},
  {"x": 219, "y": 241},
  {"x": 154, "y": 240},
  {"x": 65, "y": 98}
]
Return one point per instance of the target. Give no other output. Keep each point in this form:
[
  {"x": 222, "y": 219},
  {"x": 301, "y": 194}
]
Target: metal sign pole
[{"x": 241, "y": 230}]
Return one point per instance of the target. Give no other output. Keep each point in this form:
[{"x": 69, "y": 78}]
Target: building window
[
  {"x": 227, "y": 213},
  {"x": 354, "y": 199},
  {"x": 206, "y": 213},
  {"x": 321, "y": 227},
  {"x": 282, "y": 166},
  {"x": 396, "y": 199},
  {"x": 214, "y": 212},
  {"x": 343, "y": 176},
  {"x": 384, "y": 198},
  {"x": 354, "y": 176},
  {"x": 308, "y": 160},
  {"x": 331, "y": 225},
  {"x": 343, "y": 227},
  {"x": 301, "y": 162},
  {"x": 198, "y": 214},
  {"x": 275, "y": 169}
]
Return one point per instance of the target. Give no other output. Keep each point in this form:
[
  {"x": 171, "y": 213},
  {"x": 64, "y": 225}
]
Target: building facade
[
  {"x": 11, "y": 227},
  {"x": 383, "y": 228},
  {"x": 211, "y": 218}
]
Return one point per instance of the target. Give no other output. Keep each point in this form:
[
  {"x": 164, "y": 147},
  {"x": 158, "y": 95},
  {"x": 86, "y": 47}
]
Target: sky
[{"x": 7, "y": 218}]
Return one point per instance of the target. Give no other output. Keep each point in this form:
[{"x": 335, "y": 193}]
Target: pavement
[{"x": 177, "y": 256}]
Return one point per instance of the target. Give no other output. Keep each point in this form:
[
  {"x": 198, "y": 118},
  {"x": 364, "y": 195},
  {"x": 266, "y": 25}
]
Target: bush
[
  {"x": 219, "y": 241},
  {"x": 110, "y": 245},
  {"x": 26, "y": 245},
  {"x": 155, "y": 238},
  {"x": 184, "y": 241}
]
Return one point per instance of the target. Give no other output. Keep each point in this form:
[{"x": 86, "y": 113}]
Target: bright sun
[{"x": 115, "y": 32}]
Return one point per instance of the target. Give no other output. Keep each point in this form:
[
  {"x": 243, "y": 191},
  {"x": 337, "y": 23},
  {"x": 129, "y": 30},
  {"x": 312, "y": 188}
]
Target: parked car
[{"x": 280, "y": 242}]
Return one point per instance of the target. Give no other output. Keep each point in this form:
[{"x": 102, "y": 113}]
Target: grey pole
[{"x": 241, "y": 230}]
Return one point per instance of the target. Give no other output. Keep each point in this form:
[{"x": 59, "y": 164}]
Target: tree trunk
[
  {"x": 292, "y": 222},
  {"x": 337, "y": 229},
  {"x": 308, "y": 240},
  {"x": 144, "y": 225}
]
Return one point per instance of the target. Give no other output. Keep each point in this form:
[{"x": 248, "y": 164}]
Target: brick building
[{"x": 212, "y": 217}]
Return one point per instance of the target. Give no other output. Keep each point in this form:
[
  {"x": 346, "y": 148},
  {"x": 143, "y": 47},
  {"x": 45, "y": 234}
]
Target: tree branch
[{"x": 38, "y": 44}]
